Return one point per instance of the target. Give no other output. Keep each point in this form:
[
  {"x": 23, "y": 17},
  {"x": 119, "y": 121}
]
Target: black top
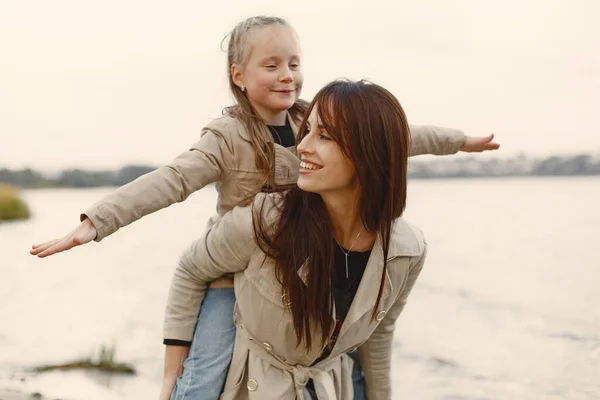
[
  {"x": 344, "y": 291},
  {"x": 345, "y": 288},
  {"x": 283, "y": 134}
]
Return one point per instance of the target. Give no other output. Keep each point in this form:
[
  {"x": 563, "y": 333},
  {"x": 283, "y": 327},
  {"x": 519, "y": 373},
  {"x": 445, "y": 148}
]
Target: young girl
[
  {"x": 250, "y": 148},
  {"x": 324, "y": 267}
]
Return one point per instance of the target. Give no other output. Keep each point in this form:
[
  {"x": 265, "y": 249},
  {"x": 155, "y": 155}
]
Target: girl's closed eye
[{"x": 324, "y": 136}]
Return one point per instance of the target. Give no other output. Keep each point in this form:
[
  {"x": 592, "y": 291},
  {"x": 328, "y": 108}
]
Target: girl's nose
[{"x": 286, "y": 75}]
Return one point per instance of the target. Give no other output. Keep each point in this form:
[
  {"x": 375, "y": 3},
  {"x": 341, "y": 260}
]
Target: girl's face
[
  {"x": 271, "y": 75},
  {"x": 324, "y": 168}
]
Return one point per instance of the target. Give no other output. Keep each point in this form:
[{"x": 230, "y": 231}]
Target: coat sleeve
[
  {"x": 376, "y": 353},
  {"x": 435, "y": 140},
  {"x": 207, "y": 161},
  {"x": 226, "y": 248}
]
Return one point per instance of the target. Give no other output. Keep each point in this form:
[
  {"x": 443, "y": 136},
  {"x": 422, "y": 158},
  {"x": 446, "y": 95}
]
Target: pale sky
[{"x": 102, "y": 84}]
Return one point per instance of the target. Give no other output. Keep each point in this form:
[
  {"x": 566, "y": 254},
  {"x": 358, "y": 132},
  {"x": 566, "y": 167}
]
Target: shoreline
[{"x": 6, "y": 394}]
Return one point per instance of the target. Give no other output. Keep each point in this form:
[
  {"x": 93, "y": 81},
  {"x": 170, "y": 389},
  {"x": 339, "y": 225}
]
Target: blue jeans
[
  {"x": 205, "y": 369},
  {"x": 358, "y": 378}
]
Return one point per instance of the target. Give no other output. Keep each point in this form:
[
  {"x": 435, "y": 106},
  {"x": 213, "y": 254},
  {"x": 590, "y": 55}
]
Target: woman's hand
[
  {"x": 84, "y": 233},
  {"x": 477, "y": 144}
]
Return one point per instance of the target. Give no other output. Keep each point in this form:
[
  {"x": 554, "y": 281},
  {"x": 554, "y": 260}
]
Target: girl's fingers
[
  {"x": 41, "y": 247},
  {"x": 35, "y": 246},
  {"x": 62, "y": 245}
]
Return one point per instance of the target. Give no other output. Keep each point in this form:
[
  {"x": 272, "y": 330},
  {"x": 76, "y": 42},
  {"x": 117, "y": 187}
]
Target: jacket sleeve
[
  {"x": 376, "y": 353},
  {"x": 207, "y": 161},
  {"x": 226, "y": 248},
  {"x": 435, "y": 140}
]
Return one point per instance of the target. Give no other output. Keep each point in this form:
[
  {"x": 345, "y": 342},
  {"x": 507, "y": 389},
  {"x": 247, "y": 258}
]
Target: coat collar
[
  {"x": 404, "y": 242},
  {"x": 244, "y": 134},
  {"x": 286, "y": 163}
]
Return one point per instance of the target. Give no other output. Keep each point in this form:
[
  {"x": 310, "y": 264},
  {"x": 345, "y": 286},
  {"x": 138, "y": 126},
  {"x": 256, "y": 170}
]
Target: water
[{"x": 507, "y": 306}]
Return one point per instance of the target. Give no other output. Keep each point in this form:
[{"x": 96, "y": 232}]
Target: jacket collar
[
  {"x": 244, "y": 134},
  {"x": 285, "y": 166},
  {"x": 403, "y": 243}
]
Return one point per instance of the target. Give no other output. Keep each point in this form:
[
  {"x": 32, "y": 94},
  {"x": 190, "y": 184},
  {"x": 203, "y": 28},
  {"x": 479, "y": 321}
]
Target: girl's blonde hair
[{"x": 241, "y": 39}]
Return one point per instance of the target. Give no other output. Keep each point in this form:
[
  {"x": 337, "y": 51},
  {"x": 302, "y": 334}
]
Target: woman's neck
[{"x": 347, "y": 225}]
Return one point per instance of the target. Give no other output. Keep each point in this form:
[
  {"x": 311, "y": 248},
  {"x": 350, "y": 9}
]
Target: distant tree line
[
  {"x": 582, "y": 164},
  {"x": 439, "y": 167},
  {"x": 481, "y": 167},
  {"x": 73, "y": 178}
]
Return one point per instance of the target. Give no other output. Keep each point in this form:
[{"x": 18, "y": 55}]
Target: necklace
[
  {"x": 274, "y": 133},
  {"x": 350, "y": 249}
]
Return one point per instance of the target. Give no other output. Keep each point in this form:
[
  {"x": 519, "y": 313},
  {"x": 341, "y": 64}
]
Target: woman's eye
[
  {"x": 324, "y": 137},
  {"x": 294, "y": 65},
  {"x": 271, "y": 66}
]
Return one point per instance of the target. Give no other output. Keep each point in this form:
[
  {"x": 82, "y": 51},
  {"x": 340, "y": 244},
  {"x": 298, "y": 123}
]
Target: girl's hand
[
  {"x": 477, "y": 144},
  {"x": 84, "y": 233},
  {"x": 174, "y": 358},
  {"x": 167, "y": 387}
]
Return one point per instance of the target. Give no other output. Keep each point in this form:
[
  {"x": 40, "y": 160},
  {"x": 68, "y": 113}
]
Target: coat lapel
[
  {"x": 366, "y": 295},
  {"x": 403, "y": 243}
]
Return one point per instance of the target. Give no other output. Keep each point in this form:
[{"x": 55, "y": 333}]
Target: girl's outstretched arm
[
  {"x": 426, "y": 139},
  {"x": 207, "y": 161}
]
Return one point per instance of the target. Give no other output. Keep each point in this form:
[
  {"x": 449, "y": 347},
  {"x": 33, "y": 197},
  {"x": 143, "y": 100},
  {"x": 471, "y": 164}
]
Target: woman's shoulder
[{"x": 407, "y": 239}]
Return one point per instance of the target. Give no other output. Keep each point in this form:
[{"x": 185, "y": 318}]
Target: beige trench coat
[
  {"x": 266, "y": 363},
  {"x": 224, "y": 156}
]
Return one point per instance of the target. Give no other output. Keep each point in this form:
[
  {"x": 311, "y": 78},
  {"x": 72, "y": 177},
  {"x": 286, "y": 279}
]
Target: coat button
[
  {"x": 285, "y": 299},
  {"x": 268, "y": 347},
  {"x": 252, "y": 385},
  {"x": 380, "y": 315}
]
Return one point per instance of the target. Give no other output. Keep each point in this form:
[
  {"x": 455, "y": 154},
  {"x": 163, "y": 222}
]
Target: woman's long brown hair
[{"x": 370, "y": 126}]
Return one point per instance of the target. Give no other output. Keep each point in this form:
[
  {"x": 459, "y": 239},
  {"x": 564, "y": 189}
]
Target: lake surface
[{"x": 507, "y": 307}]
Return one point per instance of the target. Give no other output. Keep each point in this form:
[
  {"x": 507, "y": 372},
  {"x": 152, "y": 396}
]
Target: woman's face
[{"x": 324, "y": 168}]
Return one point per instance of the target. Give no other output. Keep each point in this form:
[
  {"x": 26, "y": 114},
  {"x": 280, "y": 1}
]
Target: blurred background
[{"x": 94, "y": 94}]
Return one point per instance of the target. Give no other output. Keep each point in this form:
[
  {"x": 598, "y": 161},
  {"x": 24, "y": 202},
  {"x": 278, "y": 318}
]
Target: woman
[{"x": 324, "y": 267}]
